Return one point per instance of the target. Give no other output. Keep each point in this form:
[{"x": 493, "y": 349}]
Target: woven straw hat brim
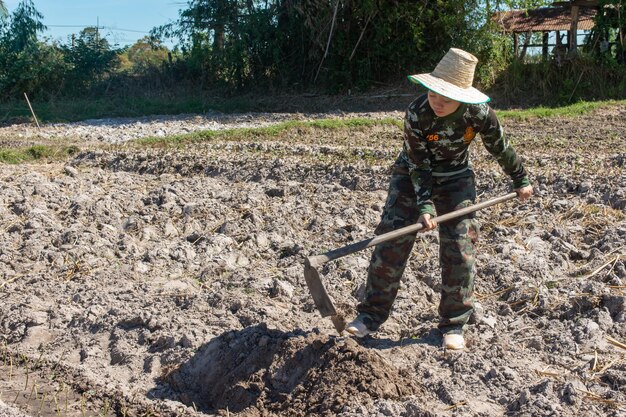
[{"x": 464, "y": 95}]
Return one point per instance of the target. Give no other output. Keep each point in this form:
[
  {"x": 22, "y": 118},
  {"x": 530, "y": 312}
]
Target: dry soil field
[{"x": 161, "y": 281}]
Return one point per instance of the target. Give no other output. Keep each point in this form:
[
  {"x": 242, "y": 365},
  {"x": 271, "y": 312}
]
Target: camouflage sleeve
[
  {"x": 417, "y": 159},
  {"x": 498, "y": 145}
]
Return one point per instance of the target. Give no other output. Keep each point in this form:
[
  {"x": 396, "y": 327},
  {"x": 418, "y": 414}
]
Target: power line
[
  {"x": 99, "y": 27},
  {"x": 123, "y": 30},
  {"x": 67, "y": 26}
]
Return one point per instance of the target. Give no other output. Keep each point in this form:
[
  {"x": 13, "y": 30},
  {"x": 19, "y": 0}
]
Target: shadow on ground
[{"x": 431, "y": 338}]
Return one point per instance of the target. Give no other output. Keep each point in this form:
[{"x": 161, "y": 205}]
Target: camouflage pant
[{"x": 456, "y": 250}]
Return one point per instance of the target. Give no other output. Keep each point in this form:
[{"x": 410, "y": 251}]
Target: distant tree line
[
  {"x": 47, "y": 69},
  {"x": 264, "y": 45},
  {"x": 335, "y": 43}
]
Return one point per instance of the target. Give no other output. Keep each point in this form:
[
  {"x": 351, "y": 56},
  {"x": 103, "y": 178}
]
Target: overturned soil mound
[{"x": 257, "y": 370}]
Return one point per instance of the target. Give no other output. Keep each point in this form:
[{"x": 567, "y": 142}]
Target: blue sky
[{"x": 124, "y": 21}]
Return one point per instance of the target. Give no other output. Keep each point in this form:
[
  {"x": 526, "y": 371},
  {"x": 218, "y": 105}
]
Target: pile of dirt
[{"x": 286, "y": 373}]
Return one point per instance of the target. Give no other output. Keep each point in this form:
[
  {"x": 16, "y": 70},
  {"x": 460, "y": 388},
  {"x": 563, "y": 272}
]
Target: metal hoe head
[{"x": 322, "y": 300}]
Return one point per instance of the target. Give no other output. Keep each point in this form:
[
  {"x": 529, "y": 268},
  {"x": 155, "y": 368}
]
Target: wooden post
[
  {"x": 32, "y": 111},
  {"x": 525, "y": 46},
  {"x": 515, "y": 44},
  {"x": 544, "y": 46},
  {"x": 573, "y": 32}
]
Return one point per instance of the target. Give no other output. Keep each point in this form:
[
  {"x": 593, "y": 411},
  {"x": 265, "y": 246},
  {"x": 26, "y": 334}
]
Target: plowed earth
[{"x": 144, "y": 280}]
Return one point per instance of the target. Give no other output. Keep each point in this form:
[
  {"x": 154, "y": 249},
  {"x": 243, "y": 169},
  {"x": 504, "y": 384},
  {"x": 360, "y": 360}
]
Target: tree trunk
[{"x": 219, "y": 28}]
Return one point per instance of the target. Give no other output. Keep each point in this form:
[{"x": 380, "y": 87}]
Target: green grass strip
[
  {"x": 573, "y": 110},
  {"x": 276, "y": 130},
  {"x": 34, "y": 153},
  {"x": 268, "y": 131}
]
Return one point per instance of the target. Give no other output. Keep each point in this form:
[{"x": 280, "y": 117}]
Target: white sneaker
[
  {"x": 357, "y": 328},
  {"x": 453, "y": 341}
]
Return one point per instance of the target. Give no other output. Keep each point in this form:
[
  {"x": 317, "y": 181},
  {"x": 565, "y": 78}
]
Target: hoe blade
[
  {"x": 320, "y": 296},
  {"x": 322, "y": 300}
]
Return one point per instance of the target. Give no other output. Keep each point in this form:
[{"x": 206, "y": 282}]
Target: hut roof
[{"x": 544, "y": 19}]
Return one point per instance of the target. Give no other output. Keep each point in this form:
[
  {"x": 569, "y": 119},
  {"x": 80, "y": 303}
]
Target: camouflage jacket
[{"x": 439, "y": 146}]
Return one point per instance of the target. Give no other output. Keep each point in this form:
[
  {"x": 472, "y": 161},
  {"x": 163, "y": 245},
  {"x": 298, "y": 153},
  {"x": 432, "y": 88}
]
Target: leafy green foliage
[
  {"x": 90, "y": 59},
  {"x": 25, "y": 64},
  {"x": 610, "y": 32},
  {"x": 38, "y": 70},
  {"x": 43, "y": 70},
  {"x": 311, "y": 43},
  {"x": 549, "y": 83},
  {"x": 145, "y": 55},
  {"x": 22, "y": 29},
  {"x": 232, "y": 46}
]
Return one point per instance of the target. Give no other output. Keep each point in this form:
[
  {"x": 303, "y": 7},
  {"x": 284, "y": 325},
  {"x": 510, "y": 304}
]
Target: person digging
[{"x": 432, "y": 173}]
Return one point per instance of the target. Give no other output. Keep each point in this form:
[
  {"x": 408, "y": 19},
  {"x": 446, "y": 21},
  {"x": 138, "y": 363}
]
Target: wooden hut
[{"x": 563, "y": 16}]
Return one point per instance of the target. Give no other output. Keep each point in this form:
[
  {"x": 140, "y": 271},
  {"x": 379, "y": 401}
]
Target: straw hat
[{"x": 453, "y": 77}]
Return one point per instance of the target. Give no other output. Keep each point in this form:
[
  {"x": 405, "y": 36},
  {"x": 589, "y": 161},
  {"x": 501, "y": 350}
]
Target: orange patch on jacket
[
  {"x": 469, "y": 135},
  {"x": 432, "y": 138}
]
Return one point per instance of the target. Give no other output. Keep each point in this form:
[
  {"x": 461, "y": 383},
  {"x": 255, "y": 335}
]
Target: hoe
[{"x": 322, "y": 300}]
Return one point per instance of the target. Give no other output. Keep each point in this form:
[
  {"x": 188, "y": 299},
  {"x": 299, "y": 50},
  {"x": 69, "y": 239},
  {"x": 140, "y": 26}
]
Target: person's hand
[
  {"x": 524, "y": 193},
  {"x": 427, "y": 221}
]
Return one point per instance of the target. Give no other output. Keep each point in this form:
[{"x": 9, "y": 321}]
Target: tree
[
  {"x": 210, "y": 32},
  {"x": 25, "y": 23},
  {"x": 145, "y": 54},
  {"x": 26, "y": 64},
  {"x": 90, "y": 58}
]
